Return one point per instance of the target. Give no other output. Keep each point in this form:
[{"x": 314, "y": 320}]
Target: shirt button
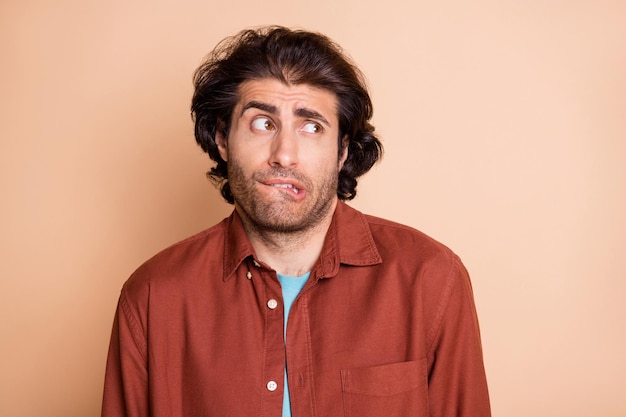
[
  {"x": 271, "y": 303},
  {"x": 249, "y": 275},
  {"x": 272, "y": 385}
]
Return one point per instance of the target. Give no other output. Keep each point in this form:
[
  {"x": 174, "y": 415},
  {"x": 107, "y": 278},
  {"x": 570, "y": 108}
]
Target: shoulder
[
  {"x": 188, "y": 259},
  {"x": 399, "y": 239},
  {"x": 390, "y": 242},
  {"x": 438, "y": 272},
  {"x": 417, "y": 256}
]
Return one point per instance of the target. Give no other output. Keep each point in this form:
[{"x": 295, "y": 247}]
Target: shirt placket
[{"x": 274, "y": 349}]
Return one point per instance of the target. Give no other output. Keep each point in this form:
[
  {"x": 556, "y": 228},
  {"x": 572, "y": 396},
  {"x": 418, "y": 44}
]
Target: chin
[{"x": 282, "y": 224}]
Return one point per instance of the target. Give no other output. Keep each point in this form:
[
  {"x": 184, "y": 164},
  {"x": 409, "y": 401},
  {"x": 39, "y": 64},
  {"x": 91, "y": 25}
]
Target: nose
[{"x": 284, "y": 150}]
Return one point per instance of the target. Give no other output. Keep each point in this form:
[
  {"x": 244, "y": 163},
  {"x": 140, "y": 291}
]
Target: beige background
[{"x": 505, "y": 131}]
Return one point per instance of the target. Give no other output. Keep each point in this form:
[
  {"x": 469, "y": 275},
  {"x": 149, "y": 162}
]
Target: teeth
[{"x": 287, "y": 186}]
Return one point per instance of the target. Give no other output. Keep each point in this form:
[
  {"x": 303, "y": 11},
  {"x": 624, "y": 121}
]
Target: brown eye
[
  {"x": 262, "y": 124},
  {"x": 312, "y": 127}
]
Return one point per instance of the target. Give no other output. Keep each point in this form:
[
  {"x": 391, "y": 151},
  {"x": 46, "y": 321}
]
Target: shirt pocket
[{"x": 398, "y": 389}]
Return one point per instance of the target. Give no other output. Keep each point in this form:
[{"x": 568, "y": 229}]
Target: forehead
[{"x": 288, "y": 97}]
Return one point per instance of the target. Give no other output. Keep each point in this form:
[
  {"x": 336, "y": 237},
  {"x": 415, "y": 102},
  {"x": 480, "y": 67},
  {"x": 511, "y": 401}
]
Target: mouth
[{"x": 290, "y": 183}]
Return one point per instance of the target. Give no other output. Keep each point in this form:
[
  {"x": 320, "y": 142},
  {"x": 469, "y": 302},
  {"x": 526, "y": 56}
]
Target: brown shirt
[{"x": 385, "y": 326}]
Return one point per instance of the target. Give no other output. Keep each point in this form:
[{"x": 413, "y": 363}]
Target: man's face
[{"x": 282, "y": 154}]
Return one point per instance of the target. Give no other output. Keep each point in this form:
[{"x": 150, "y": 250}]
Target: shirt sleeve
[
  {"x": 457, "y": 381},
  {"x": 126, "y": 378}
]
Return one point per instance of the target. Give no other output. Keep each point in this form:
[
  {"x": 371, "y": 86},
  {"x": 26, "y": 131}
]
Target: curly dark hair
[{"x": 292, "y": 57}]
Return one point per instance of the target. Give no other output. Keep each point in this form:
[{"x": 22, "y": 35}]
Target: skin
[{"x": 283, "y": 165}]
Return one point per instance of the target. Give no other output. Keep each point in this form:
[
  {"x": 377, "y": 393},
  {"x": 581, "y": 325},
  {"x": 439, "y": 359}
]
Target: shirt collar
[
  {"x": 348, "y": 241},
  {"x": 237, "y": 246}
]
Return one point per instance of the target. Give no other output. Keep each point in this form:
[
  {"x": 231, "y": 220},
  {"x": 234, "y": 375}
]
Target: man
[{"x": 296, "y": 304}]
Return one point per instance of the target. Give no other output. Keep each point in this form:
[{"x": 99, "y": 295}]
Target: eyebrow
[
  {"x": 311, "y": 114},
  {"x": 269, "y": 108},
  {"x": 259, "y": 105}
]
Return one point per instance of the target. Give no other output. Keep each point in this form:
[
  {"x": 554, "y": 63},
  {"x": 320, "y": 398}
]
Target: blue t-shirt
[{"x": 291, "y": 287}]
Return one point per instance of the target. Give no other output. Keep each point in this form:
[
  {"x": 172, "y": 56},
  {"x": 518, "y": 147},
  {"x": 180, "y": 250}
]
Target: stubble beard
[{"x": 282, "y": 215}]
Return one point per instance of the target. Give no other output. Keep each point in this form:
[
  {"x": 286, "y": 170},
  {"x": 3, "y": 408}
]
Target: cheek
[
  {"x": 247, "y": 159},
  {"x": 326, "y": 163}
]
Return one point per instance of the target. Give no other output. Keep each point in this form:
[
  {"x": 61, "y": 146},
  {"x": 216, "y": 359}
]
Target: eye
[
  {"x": 263, "y": 124},
  {"x": 312, "y": 127}
]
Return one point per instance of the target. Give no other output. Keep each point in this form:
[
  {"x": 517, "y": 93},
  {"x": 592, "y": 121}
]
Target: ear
[
  {"x": 344, "y": 152},
  {"x": 222, "y": 145}
]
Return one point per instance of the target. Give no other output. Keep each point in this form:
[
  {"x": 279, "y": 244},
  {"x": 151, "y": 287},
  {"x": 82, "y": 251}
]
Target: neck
[{"x": 291, "y": 253}]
